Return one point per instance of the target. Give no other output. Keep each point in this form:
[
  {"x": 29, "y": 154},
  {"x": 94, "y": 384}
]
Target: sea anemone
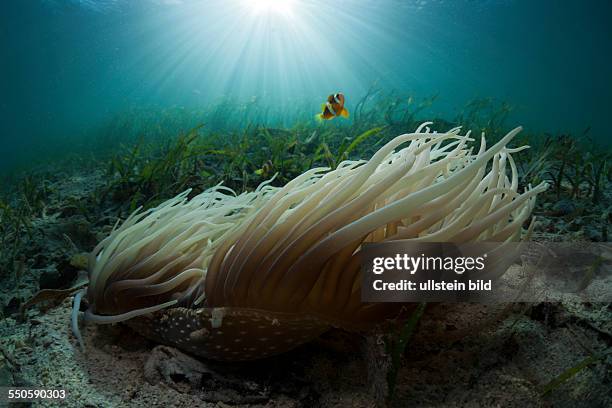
[{"x": 239, "y": 277}]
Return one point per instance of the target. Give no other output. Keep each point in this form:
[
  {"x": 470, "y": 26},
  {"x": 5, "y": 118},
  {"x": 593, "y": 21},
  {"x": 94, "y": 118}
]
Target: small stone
[{"x": 58, "y": 277}]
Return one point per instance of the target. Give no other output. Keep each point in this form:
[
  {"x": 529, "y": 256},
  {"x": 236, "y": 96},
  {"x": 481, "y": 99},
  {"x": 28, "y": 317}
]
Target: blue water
[{"x": 69, "y": 66}]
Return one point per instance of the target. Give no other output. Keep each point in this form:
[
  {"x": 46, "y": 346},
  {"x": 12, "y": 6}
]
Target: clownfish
[{"x": 333, "y": 107}]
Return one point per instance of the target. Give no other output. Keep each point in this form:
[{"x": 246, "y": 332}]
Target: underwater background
[{"x": 72, "y": 68}]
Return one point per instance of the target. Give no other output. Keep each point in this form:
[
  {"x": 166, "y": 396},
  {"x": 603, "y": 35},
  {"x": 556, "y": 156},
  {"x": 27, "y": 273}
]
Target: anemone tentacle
[{"x": 290, "y": 255}]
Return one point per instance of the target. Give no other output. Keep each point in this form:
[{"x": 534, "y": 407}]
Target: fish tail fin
[
  {"x": 344, "y": 113},
  {"x": 319, "y": 117}
]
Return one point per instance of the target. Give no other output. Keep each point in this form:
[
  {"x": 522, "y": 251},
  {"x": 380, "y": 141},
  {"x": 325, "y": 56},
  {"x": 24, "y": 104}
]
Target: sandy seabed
[{"x": 461, "y": 356}]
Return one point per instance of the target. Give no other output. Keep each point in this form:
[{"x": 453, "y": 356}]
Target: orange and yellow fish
[{"x": 333, "y": 107}]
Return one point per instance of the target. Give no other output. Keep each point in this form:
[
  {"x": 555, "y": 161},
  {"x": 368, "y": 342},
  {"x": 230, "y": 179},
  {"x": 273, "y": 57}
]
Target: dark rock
[
  {"x": 11, "y": 307},
  {"x": 59, "y": 277},
  {"x": 549, "y": 314},
  {"x": 39, "y": 261}
]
